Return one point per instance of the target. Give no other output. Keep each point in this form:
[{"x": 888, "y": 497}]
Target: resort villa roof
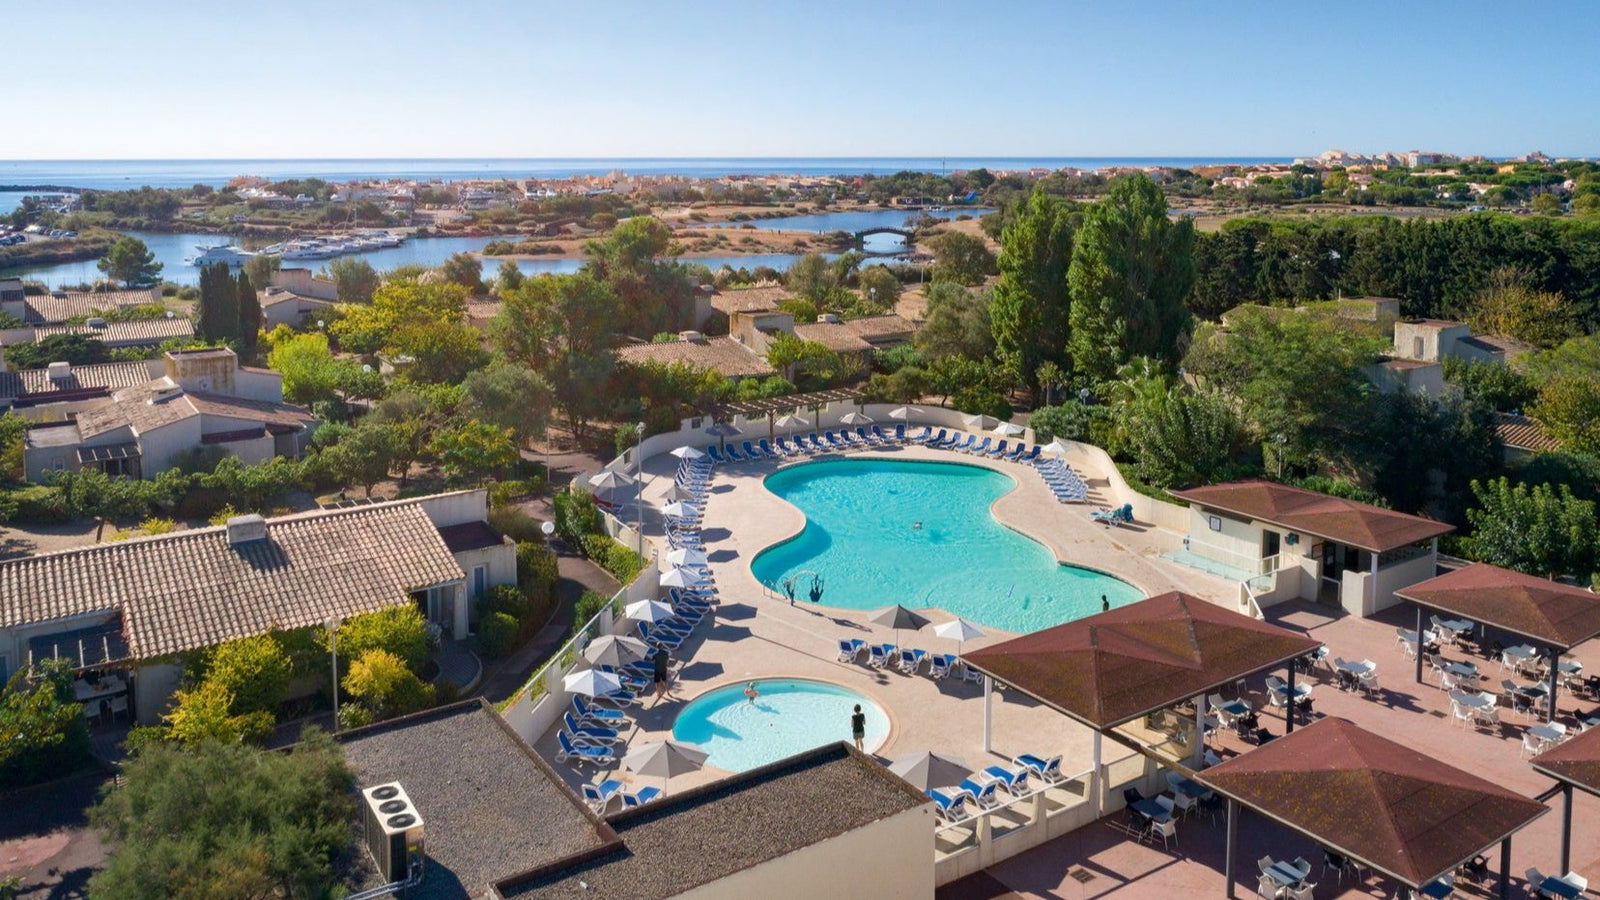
[
  {"x": 1554, "y": 615},
  {"x": 1404, "y": 814},
  {"x": 721, "y": 354},
  {"x": 123, "y": 334},
  {"x": 1337, "y": 519},
  {"x": 1575, "y": 761},
  {"x": 193, "y": 589},
  {"x": 836, "y": 336},
  {"x": 491, "y": 806},
  {"x": 673, "y": 845},
  {"x": 36, "y": 385},
  {"x": 49, "y": 309},
  {"x": 1112, "y": 668},
  {"x": 1523, "y": 433},
  {"x": 756, "y": 299}
]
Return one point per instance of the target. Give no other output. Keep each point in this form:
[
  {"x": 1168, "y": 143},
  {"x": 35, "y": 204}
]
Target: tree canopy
[{"x": 130, "y": 262}]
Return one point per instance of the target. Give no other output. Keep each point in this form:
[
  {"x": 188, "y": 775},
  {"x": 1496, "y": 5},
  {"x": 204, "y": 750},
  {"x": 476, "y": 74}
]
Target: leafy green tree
[
  {"x": 42, "y": 731},
  {"x": 1547, "y": 204},
  {"x": 509, "y": 396},
  {"x": 475, "y": 450},
  {"x": 1492, "y": 384},
  {"x": 400, "y": 630},
  {"x": 1131, "y": 270},
  {"x": 254, "y": 670},
  {"x": 962, "y": 258},
  {"x": 1534, "y": 529},
  {"x": 398, "y": 310},
  {"x": 218, "y": 318},
  {"x": 1578, "y": 471},
  {"x": 957, "y": 323},
  {"x": 381, "y": 680},
  {"x": 261, "y": 268},
  {"x": 560, "y": 327},
  {"x": 412, "y": 416},
  {"x": 78, "y": 349},
  {"x": 440, "y": 351},
  {"x": 130, "y": 262},
  {"x": 364, "y": 456},
  {"x": 793, "y": 357},
  {"x": 353, "y": 278},
  {"x": 204, "y": 714},
  {"x": 1185, "y": 440},
  {"x": 1569, "y": 409},
  {"x": 1577, "y": 358},
  {"x": 810, "y": 277},
  {"x": 463, "y": 269},
  {"x": 1512, "y": 307},
  {"x": 879, "y": 289},
  {"x": 92, "y": 494},
  {"x": 1071, "y": 421},
  {"x": 1423, "y": 453},
  {"x": 310, "y": 371},
  {"x": 225, "y": 820},
  {"x": 508, "y": 277},
  {"x": 1029, "y": 314},
  {"x": 575, "y": 514}
]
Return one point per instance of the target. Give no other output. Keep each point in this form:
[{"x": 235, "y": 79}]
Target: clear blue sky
[{"x": 466, "y": 78}]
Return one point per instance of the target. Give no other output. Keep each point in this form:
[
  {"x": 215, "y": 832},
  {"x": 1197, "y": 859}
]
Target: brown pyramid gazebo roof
[
  {"x": 1117, "y": 666},
  {"x": 1555, "y": 615},
  {"x": 1335, "y": 518},
  {"x": 1401, "y": 812},
  {"x": 1575, "y": 761}
]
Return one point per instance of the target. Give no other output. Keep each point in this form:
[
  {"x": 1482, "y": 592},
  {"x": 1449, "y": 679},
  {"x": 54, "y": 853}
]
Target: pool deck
[{"x": 757, "y": 633}]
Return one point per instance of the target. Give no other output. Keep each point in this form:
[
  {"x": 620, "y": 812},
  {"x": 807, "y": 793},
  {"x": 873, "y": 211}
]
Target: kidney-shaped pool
[{"x": 921, "y": 534}]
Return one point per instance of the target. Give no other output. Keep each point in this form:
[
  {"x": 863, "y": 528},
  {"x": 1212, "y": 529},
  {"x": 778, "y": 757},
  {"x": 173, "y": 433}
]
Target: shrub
[
  {"x": 205, "y": 713},
  {"x": 588, "y": 606},
  {"x": 254, "y": 670},
  {"x": 516, "y": 524},
  {"x": 501, "y": 493},
  {"x": 498, "y": 631},
  {"x": 401, "y": 630},
  {"x": 576, "y": 515},
  {"x": 537, "y": 570},
  {"x": 596, "y": 547},
  {"x": 381, "y": 681},
  {"x": 622, "y": 562},
  {"x": 40, "y": 505},
  {"x": 42, "y": 732},
  {"x": 503, "y": 598}
]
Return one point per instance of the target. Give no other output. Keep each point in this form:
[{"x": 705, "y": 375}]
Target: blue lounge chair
[
  {"x": 629, "y": 801},
  {"x": 750, "y": 453},
  {"x": 581, "y": 752},
  {"x": 714, "y": 454},
  {"x": 619, "y": 699},
  {"x": 864, "y": 438},
  {"x": 664, "y": 638},
  {"x": 594, "y": 734},
  {"x": 952, "y": 806},
  {"x": 999, "y": 449},
  {"x": 979, "y": 449},
  {"x": 609, "y": 718},
  {"x": 851, "y": 649},
  {"x": 961, "y": 446},
  {"x": 886, "y": 439},
  {"x": 982, "y": 794},
  {"x": 733, "y": 454},
  {"x": 1016, "y": 453},
  {"x": 1015, "y": 781},
  {"x": 1122, "y": 515},
  {"x": 833, "y": 442},
  {"x": 784, "y": 448},
  {"x": 938, "y": 666},
  {"x": 766, "y": 449},
  {"x": 1046, "y": 769},
  {"x": 911, "y": 660},
  {"x": 599, "y": 796},
  {"x": 879, "y": 655},
  {"x": 925, "y": 435},
  {"x": 1032, "y": 454},
  {"x": 846, "y": 438},
  {"x": 812, "y": 444},
  {"x": 900, "y": 433}
]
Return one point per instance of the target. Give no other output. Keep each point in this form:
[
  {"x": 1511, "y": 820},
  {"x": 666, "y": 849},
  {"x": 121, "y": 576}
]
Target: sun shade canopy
[
  {"x": 751, "y": 409},
  {"x": 1556, "y": 615},
  {"x": 1334, "y": 518},
  {"x": 1575, "y": 762},
  {"x": 1114, "y": 667}
]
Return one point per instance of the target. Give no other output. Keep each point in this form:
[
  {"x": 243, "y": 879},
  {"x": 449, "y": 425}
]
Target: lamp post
[
  {"x": 1280, "y": 440},
  {"x": 638, "y": 506},
  {"x": 332, "y": 624}
]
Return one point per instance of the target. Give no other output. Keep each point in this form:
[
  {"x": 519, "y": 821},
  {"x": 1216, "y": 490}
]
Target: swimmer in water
[
  {"x": 917, "y": 526},
  {"x": 750, "y": 692}
]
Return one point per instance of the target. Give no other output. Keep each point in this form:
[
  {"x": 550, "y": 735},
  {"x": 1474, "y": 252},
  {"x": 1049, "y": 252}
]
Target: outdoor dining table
[
  {"x": 1235, "y": 708},
  {"x": 1284, "y": 873},
  {"x": 1190, "y": 788},
  {"x": 1546, "y": 733},
  {"x": 1461, "y": 669},
  {"x": 1457, "y": 625},
  {"x": 1150, "y": 809},
  {"x": 1355, "y": 667},
  {"x": 83, "y": 690},
  {"x": 1571, "y": 667},
  {"x": 1560, "y": 887},
  {"x": 1438, "y": 889},
  {"x": 1521, "y": 652},
  {"x": 1475, "y": 701}
]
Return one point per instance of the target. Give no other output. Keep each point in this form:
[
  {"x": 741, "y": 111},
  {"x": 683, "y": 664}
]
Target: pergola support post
[
  {"x": 1198, "y": 753},
  {"x": 1228, "y": 853},
  {"x": 1419, "y": 645},
  {"x": 1505, "y": 869},
  {"x": 1289, "y": 701},
  {"x": 988, "y": 712},
  {"x": 1555, "y": 682},
  {"x": 1566, "y": 828},
  {"x": 1097, "y": 782}
]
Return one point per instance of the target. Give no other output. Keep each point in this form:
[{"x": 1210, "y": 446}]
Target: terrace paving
[{"x": 758, "y": 634}]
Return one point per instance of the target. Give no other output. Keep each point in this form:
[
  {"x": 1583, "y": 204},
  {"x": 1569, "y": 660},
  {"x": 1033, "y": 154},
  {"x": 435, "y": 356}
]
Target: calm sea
[{"x": 122, "y": 174}]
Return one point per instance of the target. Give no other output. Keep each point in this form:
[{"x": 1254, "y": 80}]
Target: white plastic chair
[
  {"x": 1268, "y": 889},
  {"x": 1531, "y": 745},
  {"x": 1168, "y": 831},
  {"x": 1460, "y": 715}
]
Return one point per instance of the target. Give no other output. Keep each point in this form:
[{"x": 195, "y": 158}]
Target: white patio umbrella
[
  {"x": 1057, "y": 447},
  {"x": 905, "y": 412},
  {"x": 958, "y": 630},
  {"x": 651, "y": 611},
  {"x": 616, "y": 650},
  {"x": 681, "y": 578},
  {"x": 610, "y": 480},
  {"x": 680, "y": 510},
  {"x": 925, "y": 771},
  {"x": 687, "y": 452},
  {"x": 687, "y": 556},
  {"x": 1007, "y": 429},
  {"x": 664, "y": 759},
  {"x": 592, "y": 683},
  {"x": 792, "y": 421},
  {"x": 855, "y": 418},
  {"x": 980, "y": 421}
]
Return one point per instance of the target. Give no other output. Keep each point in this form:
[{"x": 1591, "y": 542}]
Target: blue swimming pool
[
  {"x": 921, "y": 534},
  {"x": 788, "y": 716}
]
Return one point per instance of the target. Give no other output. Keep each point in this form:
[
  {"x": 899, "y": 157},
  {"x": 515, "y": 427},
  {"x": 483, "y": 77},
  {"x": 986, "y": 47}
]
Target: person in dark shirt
[
  {"x": 660, "y": 676},
  {"x": 858, "y": 726},
  {"x": 1105, "y": 603}
]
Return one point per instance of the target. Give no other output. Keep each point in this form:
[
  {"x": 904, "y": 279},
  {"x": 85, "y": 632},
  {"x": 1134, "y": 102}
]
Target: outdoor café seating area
[{"x": 105, "y": 695}]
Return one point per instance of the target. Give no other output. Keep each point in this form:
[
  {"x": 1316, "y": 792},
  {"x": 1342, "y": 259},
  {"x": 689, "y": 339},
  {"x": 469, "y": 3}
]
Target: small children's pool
[{"x": 788, "y": 716}]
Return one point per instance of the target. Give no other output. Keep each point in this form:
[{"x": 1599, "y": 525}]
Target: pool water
[
  {"x": 921, "y": 534},
  {"x": 788, "y": 716}
]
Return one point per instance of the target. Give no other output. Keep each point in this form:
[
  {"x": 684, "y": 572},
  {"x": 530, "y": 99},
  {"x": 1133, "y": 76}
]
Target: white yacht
[{"x": 220, "y": 253}]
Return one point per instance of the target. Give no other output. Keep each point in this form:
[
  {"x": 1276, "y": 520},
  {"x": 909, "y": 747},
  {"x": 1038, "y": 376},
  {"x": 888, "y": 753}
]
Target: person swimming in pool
[
  {"x": 916, "y": 526},
  {"x": 750, "y": 692}
]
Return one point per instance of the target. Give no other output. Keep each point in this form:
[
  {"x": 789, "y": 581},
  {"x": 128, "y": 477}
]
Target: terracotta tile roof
[
  {"x": 882, "y": 329},
  {"x": 283, "y": 415},
  {"x": 1403, "y": 813},
  {"x": 1551, "y": 613},
  {"x": 1523, "y": 433},
  {"x": 189, "y": 589},
  {"x": 48, "y": 309},
  {"x": 836, "y": 336},
  {"x": 1116, "y": 666},
  {"x": 143, "y": 408},
  {"x": 275, "y": 295},
  {"x": 147, "y": 331},
  {"x": 35, "y": 383},
  {"x": 1335, "y": 518},
  {"x": 1575, "y": 761},
  {"x": 719, "y": 354},
  {"x": 753, "y": 299}
]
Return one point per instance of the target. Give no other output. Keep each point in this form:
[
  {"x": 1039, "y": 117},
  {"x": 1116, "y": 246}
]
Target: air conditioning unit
[{"x": 394, "y": 832}]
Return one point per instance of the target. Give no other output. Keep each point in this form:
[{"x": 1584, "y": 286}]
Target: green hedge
[{"x": 498, "y": 633}]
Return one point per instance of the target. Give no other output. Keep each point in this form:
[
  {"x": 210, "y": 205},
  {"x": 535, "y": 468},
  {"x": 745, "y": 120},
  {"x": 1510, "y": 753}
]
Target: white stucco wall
[
  {"x": 1238, "y": 544},
  {"x": 152, "y": 691},
  {"x": 1403, "y": 575},
  {"x": 890, "y": 858},
  {"x": 457, "y": 508},
  {"x": 160, "y": 448}
]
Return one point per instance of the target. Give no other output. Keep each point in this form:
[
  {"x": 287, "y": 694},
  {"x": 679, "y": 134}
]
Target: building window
[{"x": 1215, "y": 522}]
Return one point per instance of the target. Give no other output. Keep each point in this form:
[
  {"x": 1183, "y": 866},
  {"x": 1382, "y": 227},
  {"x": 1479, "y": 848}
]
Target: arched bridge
[{"x": 909, "y": 237}]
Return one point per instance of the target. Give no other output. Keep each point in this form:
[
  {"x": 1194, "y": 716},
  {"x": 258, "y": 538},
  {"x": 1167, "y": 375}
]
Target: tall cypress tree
[
  {"x": 1028, "y": 315},
  {"x": 219, "y": 304},
  {"x": 249, "y": 312}
]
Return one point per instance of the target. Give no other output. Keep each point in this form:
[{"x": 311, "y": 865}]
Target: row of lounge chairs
[
  {"x": 981, "y": 792},
  {"x": 805, "y": 445},
  {"x": 599, "y": 796},
  {"x": 974, "y": 445},
  {"x": 908, "y": 661},
  {"x": 1063, "y": 480}
]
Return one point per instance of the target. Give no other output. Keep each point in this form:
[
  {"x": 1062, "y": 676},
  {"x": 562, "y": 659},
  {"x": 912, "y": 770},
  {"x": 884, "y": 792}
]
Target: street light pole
[
  {"x": 638, "y": 506},
  {"x": 332, "y": 625}
]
